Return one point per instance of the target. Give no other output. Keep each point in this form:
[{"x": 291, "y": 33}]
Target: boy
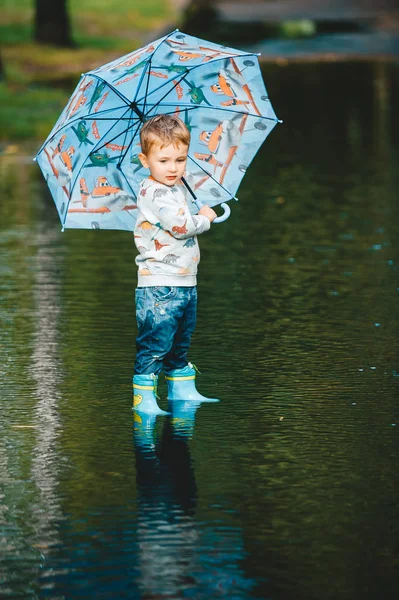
[{"x": 166, "y": 238}]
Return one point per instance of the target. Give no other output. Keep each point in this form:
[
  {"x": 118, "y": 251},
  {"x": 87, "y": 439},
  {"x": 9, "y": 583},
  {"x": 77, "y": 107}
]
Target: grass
[
  {"x": 30, "y": 114},
  {"x": 39, "y": 79},
  {"x": 97, "y": 23}
]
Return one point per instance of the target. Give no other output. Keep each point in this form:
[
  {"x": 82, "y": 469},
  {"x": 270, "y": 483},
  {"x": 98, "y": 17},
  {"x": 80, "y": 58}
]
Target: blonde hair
[{"x": 163, "y": 130}]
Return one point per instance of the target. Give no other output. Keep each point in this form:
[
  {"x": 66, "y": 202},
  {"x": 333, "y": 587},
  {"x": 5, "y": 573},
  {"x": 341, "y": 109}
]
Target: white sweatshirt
[{"x": 166, "y": 236}]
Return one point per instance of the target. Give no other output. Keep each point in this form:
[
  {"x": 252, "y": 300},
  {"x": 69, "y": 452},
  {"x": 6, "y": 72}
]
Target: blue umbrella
[{"x": 90, "y": 158}]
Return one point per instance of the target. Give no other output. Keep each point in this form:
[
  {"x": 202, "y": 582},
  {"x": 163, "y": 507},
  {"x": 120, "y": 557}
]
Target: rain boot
[
  {"x": 145, "y": 395},
  {"x": 181, "y": 385}
]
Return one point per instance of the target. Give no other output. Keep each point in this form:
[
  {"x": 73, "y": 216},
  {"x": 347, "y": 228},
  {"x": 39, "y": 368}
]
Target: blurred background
[
  {"x": 46, "y": 45},
  {"x": 286, "y": 489}
]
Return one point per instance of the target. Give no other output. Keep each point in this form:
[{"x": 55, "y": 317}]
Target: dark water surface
[{"x": 285, "y": 490}]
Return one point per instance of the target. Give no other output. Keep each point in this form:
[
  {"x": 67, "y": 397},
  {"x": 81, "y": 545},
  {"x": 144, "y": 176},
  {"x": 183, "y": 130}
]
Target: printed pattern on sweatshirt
[{"x": 166, "y": 235}]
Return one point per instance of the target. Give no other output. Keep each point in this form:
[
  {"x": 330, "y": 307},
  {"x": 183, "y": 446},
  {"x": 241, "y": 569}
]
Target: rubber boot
[
  {"x": 181, "y": 385},
  {"x": 145, "y": 395},
  {"x": 183, "y": 416}
]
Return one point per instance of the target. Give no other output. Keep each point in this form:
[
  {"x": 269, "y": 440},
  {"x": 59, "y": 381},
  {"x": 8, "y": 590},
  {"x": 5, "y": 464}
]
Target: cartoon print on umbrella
[
  {"x": 103, "y": 198},
  {"x": 196, "y": 94},
  {"x": 131, "y": 71},
  {"x": 76, "y": 99},
  {"x": 98, "y": 159},
  {"x": 98, "y": 90},
  {"x": 222, "y": 144},
  {"x": 134, "y": 160},
  {"x": 82, "y": 133},
  {"x": 186, "y": 53},
  {"x": 231, "y": 83},
  {"x": 128, "y": 60},
  {"x": 179, "y": 69},
  {"x": 61, "y": 163}
]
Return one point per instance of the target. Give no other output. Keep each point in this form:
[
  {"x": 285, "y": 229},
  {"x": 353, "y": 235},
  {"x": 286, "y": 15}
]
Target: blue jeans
[{"x": 166, "y": 318}]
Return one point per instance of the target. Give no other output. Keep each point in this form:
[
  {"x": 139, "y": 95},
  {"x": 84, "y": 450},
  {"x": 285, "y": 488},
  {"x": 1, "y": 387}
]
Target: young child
[{"x": 166, "y": 238}]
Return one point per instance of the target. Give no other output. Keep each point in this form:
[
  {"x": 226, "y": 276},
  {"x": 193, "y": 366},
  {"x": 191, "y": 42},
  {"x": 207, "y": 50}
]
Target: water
[{"x": 287, "y": 488}]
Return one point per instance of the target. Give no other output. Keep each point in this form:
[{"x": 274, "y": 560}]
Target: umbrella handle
[
  {"x": 225, "y": 215},
  {"x": 199, "y": 203}
]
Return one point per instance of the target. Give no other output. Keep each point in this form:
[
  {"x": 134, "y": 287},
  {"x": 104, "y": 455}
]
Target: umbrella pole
[{"x": 199, "y": 203}]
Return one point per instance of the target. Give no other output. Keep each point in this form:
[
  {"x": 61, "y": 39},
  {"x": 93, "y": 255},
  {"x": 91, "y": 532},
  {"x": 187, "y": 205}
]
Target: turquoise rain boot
[
  {"x": 145, "y": 395},
  {"x": 181, "y": 385}
]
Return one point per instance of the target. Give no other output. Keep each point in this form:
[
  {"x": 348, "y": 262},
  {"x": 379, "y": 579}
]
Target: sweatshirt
[{"x": 166, "y": 236}]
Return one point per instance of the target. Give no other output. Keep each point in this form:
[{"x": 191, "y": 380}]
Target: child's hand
[{"x": 208, "y": 212}]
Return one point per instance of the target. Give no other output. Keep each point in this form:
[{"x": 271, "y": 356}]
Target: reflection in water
[
  {"x": 46, "y": 372},
  {"x": 287, "y": 489},
  {"x": 30, "y": 507},
  {"x": 382, "y": 107},
  {"x": 177, "y": 556},
  {"x": 167, "y": 496}
]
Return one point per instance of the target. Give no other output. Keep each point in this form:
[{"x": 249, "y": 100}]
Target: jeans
[{"x": 166, "y": 318}]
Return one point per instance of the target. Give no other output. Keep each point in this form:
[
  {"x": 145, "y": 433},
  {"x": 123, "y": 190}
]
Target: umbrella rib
[
  {"x": 128, "y": 182},
  {"x": 117, "y": 92},
  {"x": 94, "y": 118},
  {"x": 80, "y": 170},
  {"x": 171, "y": 90},
  {"x": 109, "y": 141},
  {"x": 172, "y": 112},
  {"x": 147, "y": 84},
  {"x": 107, "y": 119},
  {"x": 193, "y": 67},
  {"x": 211, "y": 176},
  {"x": 84, "y": 117},
  {"x": 130, "y": 144},
  {"x": 222, "y": 108},
  {"x": 213, "y": 60},
  {"x": 150, "y": 61},
  {"x": 70, "y": 195},
  {"x": 168, "y": 92},
  {"x": 175, "y": 84},
  {"x": 127, "y": 129}
]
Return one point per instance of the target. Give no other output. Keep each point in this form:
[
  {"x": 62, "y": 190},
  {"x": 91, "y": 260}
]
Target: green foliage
[
  {"x": 29, "y": 113},
  {"x": 300, "y": 28},
  {"x": 101, "y": 30}
]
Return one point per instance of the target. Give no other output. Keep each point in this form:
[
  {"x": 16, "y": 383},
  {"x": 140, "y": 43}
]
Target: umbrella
[{"x": 90, "y": 158}]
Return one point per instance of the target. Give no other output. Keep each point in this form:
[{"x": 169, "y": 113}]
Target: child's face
[{"x": 166, "y": 164}]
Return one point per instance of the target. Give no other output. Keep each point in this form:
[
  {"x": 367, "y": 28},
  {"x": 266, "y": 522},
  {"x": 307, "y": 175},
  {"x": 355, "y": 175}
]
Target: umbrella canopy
[{"x": 90, "y": 159}]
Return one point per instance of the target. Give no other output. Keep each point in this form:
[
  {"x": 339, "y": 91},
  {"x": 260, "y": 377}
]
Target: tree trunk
[{"x": 52, "y": 23}]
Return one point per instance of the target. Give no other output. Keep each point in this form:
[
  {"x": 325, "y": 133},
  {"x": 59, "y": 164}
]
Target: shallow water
[{"x": 286, "y": 488}]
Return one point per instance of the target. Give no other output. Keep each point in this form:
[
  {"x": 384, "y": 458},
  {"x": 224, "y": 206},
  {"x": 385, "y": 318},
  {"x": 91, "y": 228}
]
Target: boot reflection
[
  {"x": 165, "y": 474},
  {"x": 143, "y": 433},
  {"x": 183, "y": 416},
  {"x": 167, "y": 498}
]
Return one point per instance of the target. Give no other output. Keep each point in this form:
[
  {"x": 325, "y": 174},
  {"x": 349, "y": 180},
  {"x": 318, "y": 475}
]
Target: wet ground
[{"x": 286, "y": 489}]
